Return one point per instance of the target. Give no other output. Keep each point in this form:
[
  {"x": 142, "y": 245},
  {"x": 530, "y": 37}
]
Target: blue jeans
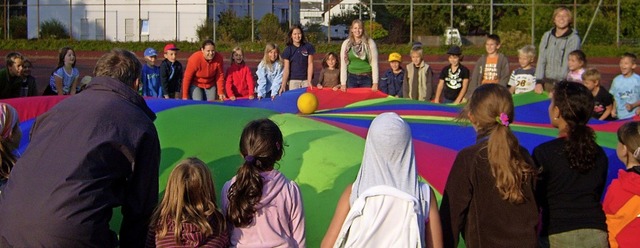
[
  {"x": 359, "y": 81},
  {"x": 202, "y": 94}
]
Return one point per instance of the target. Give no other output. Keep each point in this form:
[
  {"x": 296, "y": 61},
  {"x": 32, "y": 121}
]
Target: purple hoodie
[{"x": 279, "y": 219}]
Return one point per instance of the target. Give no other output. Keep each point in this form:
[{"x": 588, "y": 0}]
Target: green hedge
[{"x": 322, "y": 48}]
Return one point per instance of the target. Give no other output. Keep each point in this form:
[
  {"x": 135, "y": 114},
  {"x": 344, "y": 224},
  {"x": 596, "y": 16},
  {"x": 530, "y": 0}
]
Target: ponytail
[
  {"x": 245, "y": 193},
  {"x": 508, "y": 164},
  {"x": 581, "y": 147}
]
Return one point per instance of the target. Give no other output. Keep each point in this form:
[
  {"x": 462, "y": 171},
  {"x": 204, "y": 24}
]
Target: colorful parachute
[{"x": 323, "y": 150}]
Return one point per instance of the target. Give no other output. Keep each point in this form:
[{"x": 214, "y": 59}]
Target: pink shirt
[{"x": 279, "y": 220}]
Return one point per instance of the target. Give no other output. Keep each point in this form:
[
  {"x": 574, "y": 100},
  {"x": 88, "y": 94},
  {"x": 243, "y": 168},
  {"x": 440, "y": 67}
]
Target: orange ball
[{"x": 307, "y": 103}]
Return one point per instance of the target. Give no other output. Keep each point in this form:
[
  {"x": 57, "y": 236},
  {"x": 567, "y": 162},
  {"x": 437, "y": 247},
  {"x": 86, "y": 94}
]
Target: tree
[
  {"x": 269, "y": 29},
  {"x": 233, "y": 28},
  {"x": 53, "y": 29},
  {"x": 378, "y": 31}
]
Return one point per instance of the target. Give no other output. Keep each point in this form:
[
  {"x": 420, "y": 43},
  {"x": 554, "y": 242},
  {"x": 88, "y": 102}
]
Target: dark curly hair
[{"x": 575, "y": 103}]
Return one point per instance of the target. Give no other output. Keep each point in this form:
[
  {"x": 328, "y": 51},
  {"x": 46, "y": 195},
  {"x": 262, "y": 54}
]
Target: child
[
  {"x": 330, "y": 74},
  {"x": 388, "y": 161},
  {"x": 64, "y": 79},
  {"x": 489, "y": 193},
  {"x": 603, "y": 100},
  {"x": 523, "y": 79},
  {"x": 573, "y": 173},
  {"x": 28, "y": 85},
  {"x": 171, "y": 73},
  {"x": 417, "y": 81},
  {"x": 239, "y": 82},
  {"x": 577, "y": 62},
  {"x": 298, "y": 60},
  {"x": 269, "y": 73},
  {"x": 10, "y": 76},
  {"x": 625, "y": 89},
  {"x": 10, "y": 135},
  {"x": 621, "y": 204},
  {"x": 492, "y": 67},
  {"x": 264, "y": 207},
  {"x": 456, "y": 77},
  {"x": 188, "y": 215},
  {"x": 150, "y": 78},
  {"x": 391, "y": 82}
]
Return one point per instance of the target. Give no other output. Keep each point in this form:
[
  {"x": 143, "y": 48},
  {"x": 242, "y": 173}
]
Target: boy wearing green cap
[{"x": 391, "y": 81}]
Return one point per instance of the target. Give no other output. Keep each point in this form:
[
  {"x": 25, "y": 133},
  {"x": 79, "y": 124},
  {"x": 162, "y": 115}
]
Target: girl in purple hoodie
[{"x": 263, "y": 207}]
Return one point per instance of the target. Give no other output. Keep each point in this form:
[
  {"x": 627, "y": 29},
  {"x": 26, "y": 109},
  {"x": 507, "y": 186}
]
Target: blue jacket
[{"x": 391, "y": 84}]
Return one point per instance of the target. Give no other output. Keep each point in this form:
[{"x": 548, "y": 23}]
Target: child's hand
[
  {"x": 280, "y": 91},
  {"x": 251, "y": 97},
  {"x": 319, "y": 86},
  {"x": 273, "y": 98},
  {"x": 259, "y": 98},
  {"x": 374, "y": 87},
  {"x": 233, "y": 98},
  {"x": 539, "y": 89},
  {"x": 221, "y": 97},
  {"x": 614, "y": 114},
  {"x": 629, "y": 107},
  {"x": 436, "y": 101},
  {"x": 335, "y": 88}
]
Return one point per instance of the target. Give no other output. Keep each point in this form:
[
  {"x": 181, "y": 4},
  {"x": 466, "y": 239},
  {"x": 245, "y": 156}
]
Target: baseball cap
[
  {"x": 170, "y": 46},
  {"x": 150, "y": 52},
  {"x": 395, "y": 57},
  {"x": 454, "y": 50}
]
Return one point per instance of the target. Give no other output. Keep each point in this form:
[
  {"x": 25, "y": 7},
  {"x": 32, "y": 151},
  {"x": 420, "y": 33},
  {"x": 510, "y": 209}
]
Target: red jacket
[
  {"x": 239, "y": 82},
  {"x": 202, "y": 73},
  {"x": 622, "y": 207}
]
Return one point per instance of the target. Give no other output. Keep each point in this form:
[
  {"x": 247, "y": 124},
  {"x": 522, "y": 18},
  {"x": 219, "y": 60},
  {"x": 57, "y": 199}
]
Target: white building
[
  {"x": 283, "y": 9},
  {"x": 341, "y": 7},
  {"x": 142, "y": 20},
  {"x": 311, "y": 12}
]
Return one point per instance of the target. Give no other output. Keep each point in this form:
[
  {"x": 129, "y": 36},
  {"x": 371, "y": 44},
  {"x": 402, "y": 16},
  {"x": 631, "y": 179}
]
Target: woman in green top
[{"x": 359, "y": 54}]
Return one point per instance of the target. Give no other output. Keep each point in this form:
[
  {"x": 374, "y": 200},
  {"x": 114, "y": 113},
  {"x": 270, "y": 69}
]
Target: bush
[
  {"x": 378, "y": 31},
  {"x": 53, "y": 29},
  {"x": 18, "y": 27},
  {"x": 233, "y": 29},
  {"x": 314, "y": 34},
  {"x": 205, "y": 30},
  {"x": 269, "y": 29},
  {"x": 513, "y": 40}
]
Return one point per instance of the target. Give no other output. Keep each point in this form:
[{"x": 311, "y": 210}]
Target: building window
[
  {"x": 100, "y": 29},
  {"x": 129, "y": 35},
  {"x": 84, "y": 29}
]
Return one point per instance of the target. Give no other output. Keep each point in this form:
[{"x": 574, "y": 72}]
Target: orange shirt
[
  {"x": 490, "y": 73},
  {"x": 202, "y": 73}
]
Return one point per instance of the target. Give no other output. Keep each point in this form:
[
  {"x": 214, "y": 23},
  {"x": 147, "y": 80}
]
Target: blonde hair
[
  {"x": 189, "y": 197},
  {"x": 508, "y": 165},
  {"x": 558, "y": 10},
  {"x": 591, "y": 74},
  {"x": 416, "y": 49},
  {"x": 237, "y": 50},
  {"x": 528, "y": 50},
  {"x": 265, "y": 59},
  {"x": 365, "y": 37},
  {"x": 10, "y": 135}
]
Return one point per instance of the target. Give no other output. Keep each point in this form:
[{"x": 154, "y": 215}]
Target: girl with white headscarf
[{"x": 388, "y": 160}]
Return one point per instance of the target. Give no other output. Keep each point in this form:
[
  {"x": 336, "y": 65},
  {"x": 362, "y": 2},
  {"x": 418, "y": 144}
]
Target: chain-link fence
[{"x": 598, "y": 21}]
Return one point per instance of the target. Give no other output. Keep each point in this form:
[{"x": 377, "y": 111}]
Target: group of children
[{"x": 494, "y": 185}]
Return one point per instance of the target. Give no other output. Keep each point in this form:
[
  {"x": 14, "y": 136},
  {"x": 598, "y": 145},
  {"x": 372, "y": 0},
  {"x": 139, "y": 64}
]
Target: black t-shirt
[
  {"x": 602, "y": 100},
  {"x": 453, "y": 81}
]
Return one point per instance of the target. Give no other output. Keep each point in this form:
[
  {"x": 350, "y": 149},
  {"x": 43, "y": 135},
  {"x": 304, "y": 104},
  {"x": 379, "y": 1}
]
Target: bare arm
[
  {"x": 74, "y": 84},
  {"x": 463, "y": 91},
  {"x": 59, "y": 86},
  {"x": 342, "y": 209},
  {"x": 607, "y": 112},
  {"x": 434, "y": 229},
  {"x": 285, "y": 76},
  {"x": 436, "y": 99},
  {"x": 310, "y": 70}
]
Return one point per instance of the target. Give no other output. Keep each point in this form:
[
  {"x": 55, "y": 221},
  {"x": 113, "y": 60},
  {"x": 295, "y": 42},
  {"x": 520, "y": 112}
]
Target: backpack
[{"x": 384, "y": 216}]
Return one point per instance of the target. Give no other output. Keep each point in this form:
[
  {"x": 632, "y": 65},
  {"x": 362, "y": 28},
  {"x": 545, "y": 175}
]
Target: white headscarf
[{"x": 388, "y": 158}]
